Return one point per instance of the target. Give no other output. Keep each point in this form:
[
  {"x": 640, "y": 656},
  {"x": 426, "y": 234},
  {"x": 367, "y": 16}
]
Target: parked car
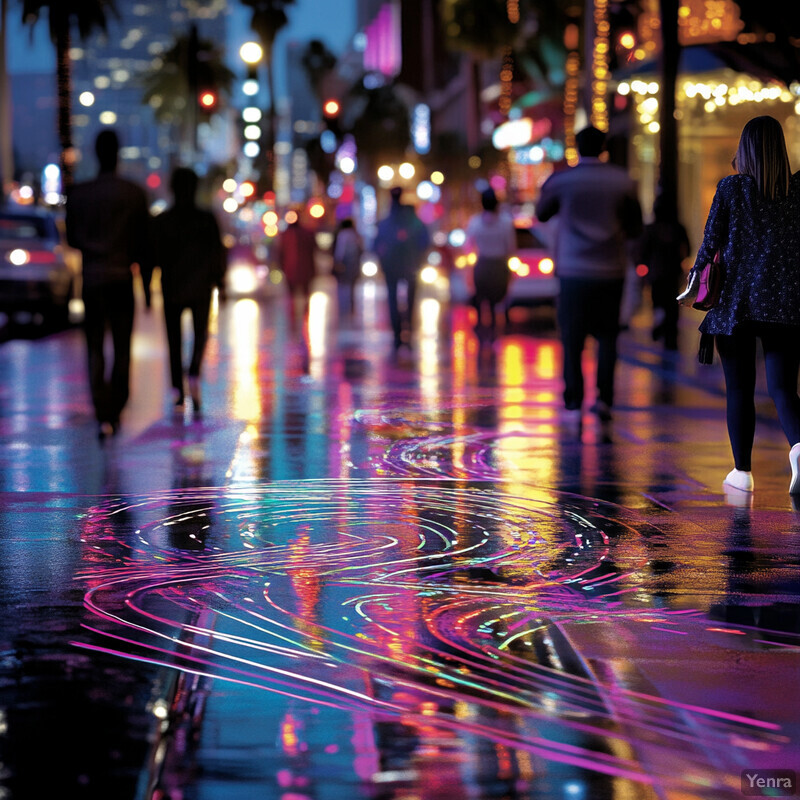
[
  {"x": 36, "y": 272},
  {"x": 532, "y": 283}
]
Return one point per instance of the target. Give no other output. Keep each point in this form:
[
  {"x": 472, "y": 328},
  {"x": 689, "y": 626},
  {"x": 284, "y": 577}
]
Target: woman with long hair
[{"x": 754, "y": 225}]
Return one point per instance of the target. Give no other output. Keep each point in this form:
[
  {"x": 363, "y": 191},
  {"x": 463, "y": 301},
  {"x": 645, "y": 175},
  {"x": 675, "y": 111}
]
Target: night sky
[{"x": 333, "y": 23}]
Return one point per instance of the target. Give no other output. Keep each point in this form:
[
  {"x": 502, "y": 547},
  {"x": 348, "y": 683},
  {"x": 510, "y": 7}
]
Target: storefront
[{"x": 712, "y": 107}]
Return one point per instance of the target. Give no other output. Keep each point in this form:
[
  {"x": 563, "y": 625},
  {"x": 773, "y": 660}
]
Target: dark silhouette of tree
[
  {"x": 381, "y": 129},
  {"x": 318, "y": 63},
  {"x": 88, "y": 16},
  {"x": 6, "y": 131},
  {"x": 489, "y": 30},
  {"x": 187, "y": 67}
]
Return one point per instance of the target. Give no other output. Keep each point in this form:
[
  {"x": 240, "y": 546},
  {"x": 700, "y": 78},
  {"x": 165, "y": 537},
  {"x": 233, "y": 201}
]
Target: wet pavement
[{"x": 361, "y": 574}]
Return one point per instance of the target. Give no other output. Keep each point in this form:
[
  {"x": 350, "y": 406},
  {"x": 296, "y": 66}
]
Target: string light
[
  {"x": 600, "y": 55},
  {"x": 572, "y": 72},
  {"x": 506, "y": 78}
]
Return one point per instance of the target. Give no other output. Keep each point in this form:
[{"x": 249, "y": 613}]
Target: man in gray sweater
[{"x": 597, "y": 212}]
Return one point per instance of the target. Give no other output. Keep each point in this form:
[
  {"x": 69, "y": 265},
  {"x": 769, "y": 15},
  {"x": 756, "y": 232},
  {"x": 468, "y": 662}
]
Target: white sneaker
[
  {"x": 739, "y": 479},
  {"x": 794, "y": 463}
]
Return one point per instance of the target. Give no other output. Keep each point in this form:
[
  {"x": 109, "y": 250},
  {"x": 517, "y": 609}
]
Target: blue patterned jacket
[{"x": 759, "y": 244}]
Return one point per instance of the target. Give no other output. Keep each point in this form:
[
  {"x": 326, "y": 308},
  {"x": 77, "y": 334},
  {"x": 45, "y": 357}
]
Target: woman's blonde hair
[{"x": 762, "y": 155}]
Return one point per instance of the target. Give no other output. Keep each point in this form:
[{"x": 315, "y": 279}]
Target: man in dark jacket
[
  {"x": 188, "y": 248},
  {"x": 598, "y": 213},
  {"x": 401, "y": 242},
  {"x": 107, "y": 220}
]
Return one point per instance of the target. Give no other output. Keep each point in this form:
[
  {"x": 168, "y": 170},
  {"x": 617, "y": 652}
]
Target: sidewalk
[{"x": 367, "y": 575}]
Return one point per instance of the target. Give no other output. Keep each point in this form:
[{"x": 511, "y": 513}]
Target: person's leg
[
  {"x": 121, "y": 311},
  {"x": 172, "y": 322},
  {"x": 394, "y": 310},
  {"x": 782, "y": 362},
  {"x": 604, "y": 312},
  {"x": 351, "y": 295},
  {"x": 572, "y": 327},
  {"x": 738, "y": 356},
  {"x": 94, "y": 330},
  {"x": 663, "y": 292},
  {"x": 411, "y": 297},
  {"x": 200, "y": 310}
]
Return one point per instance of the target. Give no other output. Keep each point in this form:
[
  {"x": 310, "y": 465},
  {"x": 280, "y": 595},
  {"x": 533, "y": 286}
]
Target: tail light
[
  {"x": 19, "y": 256},
  {"x": 42, "y": 257},
  {"x": 546, "y": 265}
]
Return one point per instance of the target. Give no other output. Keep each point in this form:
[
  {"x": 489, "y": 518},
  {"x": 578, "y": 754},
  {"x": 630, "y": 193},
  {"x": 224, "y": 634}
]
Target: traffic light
[
  {"x": 623, "y": 20},
  {"x": 330, "y": 116},
  {"x": 207, "y": 104},
  {"x": 207, "y": 99}
]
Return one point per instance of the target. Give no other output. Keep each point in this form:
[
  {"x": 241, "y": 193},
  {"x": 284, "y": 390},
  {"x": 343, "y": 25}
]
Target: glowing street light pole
[{"x": 251, "y": 54}]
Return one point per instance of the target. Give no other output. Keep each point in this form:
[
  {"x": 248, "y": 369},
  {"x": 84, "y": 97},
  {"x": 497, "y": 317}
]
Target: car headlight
[
  {"x": 18, "y": 257},
  {"x": 429, "y": 274},
  {"x": 241, "y": 278}
]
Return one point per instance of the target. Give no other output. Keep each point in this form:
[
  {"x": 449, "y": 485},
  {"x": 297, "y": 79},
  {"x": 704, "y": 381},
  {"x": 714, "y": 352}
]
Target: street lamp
[{"x": 251, "y": 53}]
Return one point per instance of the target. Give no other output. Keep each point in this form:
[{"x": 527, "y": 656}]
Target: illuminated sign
[
  {"x": 520, "y": 132},
  {"x": 421, "y": 128}
]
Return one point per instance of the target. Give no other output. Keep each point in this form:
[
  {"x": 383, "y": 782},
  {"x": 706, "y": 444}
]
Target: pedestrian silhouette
[
  {"x": 663, "y": 248},
  {"x": 188, "y": 248},
  {"x": 754, "y": 226},
  {"x": 597, "y": 211},
  {"x": 297, "y": 255},
  {"x": 491, "y": 234},
  {"x": 107, "y": 221},
  {"x": 401, "y": 242},
  {"x": 347, "y": 250}
]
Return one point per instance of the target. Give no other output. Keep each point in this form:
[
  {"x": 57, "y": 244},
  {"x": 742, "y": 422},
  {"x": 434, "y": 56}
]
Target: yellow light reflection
[
  {"x": 429, "y": 316},
  {"x": 318, "y": 319},
  {"x": 246, "y": 398}
]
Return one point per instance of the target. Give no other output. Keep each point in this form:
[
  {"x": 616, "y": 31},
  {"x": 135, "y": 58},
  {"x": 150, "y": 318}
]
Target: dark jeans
[
  {"x": 110, "y": 306},
  {"x": 395, "y": 316},
  {"x": 172, "y": 318},
  {"x": 781, "y": 346},
  {"x": 589, "y": 307}
]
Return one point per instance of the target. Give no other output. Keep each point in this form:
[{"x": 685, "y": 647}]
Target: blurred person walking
[
  {"x": 754, "y": 225},
  {"x": 347, "y": 250},
  {"x": 188, "y": 248},
  {"x": 108, "y": 222},
  {"x": 491, "y": 234},
  {"x": 598, "y": 212},
  {"x": 297, "y": 255},
  {"x": 663, "y": 248},
  {"x": 401, "y": 242}
]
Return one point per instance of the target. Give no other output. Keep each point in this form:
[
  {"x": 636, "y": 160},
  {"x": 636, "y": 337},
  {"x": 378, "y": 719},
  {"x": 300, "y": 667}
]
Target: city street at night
[{"x": 373, "y": 574}]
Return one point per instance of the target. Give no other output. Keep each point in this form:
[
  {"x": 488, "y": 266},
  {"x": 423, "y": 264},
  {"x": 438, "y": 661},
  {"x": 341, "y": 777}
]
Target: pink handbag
[{"x": 709, "y": 285}]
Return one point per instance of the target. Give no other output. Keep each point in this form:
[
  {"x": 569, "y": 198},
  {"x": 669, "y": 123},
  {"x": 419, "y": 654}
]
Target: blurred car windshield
[
  {"x": 528, "y": 240},
  {"x": 25, "y": 228}
]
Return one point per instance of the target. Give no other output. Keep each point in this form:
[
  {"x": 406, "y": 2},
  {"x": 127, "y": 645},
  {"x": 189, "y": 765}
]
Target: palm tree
[
  {"x": 269, "y": 16},
  {"x": 190, "y": 65},
  {"x": 318, "y": 64},
  {"x": 88, "y": 16},
  {"x": 486, "y": 30},
  {"x": 6, "y": 135},
  {"x": 382, "y": 127}
]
